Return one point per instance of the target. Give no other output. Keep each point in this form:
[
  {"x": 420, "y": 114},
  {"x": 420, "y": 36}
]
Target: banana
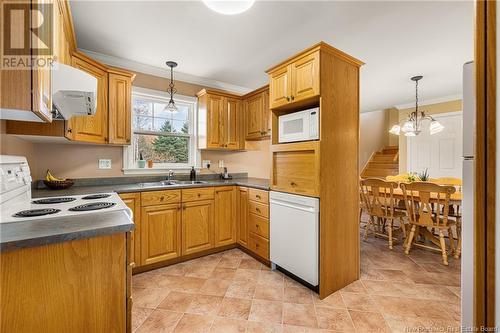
[{"x": 51, "y": 177}]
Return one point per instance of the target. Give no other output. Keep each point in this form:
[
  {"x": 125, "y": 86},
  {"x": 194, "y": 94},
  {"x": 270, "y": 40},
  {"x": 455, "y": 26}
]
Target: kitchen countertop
[
  {"x": 258, "y": 183},
  {"x": 14, "y": 236}
]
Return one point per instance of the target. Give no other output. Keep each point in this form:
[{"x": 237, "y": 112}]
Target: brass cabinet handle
[
  {"x": 184, "y": 207},
  {"x": 287, "y": 99},
  {"x": 199, "y": 195},
  {"x": 257, "y": 196},
  {"x": 257, "y": 209},
  {"x": 162, "y": 198},
  {"x": 293, "y": 184},
  {"x": 257, "y": 226},
  {"x": 70, "y": 130},
  {"x": 256, "y": 246},
  {"x": 293, "y": 98}
]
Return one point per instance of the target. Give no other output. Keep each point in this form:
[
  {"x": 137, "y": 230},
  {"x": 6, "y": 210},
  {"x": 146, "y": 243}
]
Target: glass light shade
[
  {"x": 171, "y": 107},
  {"x": 408, "y": 126},
  {"x": 410, "y": 133},
  {"x": 229, "y": 7},
  {"x": 395, "y": 129},
  {"x": 435, "y": 127}
]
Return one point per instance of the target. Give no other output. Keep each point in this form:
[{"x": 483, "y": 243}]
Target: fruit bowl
[{"x": 58, "y": 184}]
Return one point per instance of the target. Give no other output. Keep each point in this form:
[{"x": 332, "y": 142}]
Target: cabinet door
[
  {"x": 232, "y": 123},
  {"x": 225, "y": 215},
  {"x": 242, "y": 216},
  {"x": 279, "y": 87},
  {"x": 266, "y": 115},
  {"x": 254, "y": 122},
  {"x": 215, "y": 109},
  {"x": 119, "y": 109},
  {"x": 197, "y": 226},
  {"x": 61, "y": 39},
  {"x": 133, "y": 201},
  {"x": 160, "y": 233},
  {"x": 305, "y": 77},
  {"x": 91, "y": 128}
]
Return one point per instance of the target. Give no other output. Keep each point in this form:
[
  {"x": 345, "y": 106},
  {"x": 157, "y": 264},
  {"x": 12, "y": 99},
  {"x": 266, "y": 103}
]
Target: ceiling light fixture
[
  {"x": 413, "y": 125},
  {"x": 171, "y": 107},
  {"x": 229, "y": 7}
]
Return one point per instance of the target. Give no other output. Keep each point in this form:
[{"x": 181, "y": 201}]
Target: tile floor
[{"x": 232, "y": 292}]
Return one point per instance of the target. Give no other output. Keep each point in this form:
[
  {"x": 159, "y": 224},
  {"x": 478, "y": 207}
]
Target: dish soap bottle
[{"x": 192, "y": 175}]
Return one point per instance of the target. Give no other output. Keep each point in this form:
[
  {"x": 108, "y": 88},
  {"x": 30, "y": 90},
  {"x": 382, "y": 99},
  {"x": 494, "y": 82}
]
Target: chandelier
[
  {"x": 413, "y": 125},
  {"x": 171, "y": 107}
]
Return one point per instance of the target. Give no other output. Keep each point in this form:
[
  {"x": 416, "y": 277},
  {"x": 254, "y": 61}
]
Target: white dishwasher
[{"x": 295, "y": 235}]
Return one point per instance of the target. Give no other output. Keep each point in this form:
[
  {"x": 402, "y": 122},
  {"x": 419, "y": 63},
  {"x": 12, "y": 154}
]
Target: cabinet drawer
[
  {"x": 259, "y": 245},
  {"x": 258, "y": 195},
  {"x": 258, "y": 208},
  {"x": 195, "y": 194},
  {"x": 160, "y": 197},
  {"x": 258, "y": 225}
]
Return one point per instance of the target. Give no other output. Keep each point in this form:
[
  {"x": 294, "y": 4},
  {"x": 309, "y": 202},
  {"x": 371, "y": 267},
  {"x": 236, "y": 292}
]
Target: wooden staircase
[{"x": 382, "y": 163}]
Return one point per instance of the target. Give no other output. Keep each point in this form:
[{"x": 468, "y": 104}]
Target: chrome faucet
[{"x": 170, "y": 175}]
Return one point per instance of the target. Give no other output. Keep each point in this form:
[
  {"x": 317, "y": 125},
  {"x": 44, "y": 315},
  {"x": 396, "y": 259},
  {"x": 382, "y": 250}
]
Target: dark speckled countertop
[
  {"x": 258, "y": 183},
  {"x": 55, "y": 230}
]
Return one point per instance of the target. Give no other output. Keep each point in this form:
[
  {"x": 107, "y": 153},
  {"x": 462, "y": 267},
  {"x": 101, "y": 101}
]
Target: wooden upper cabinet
[
  {"x": 160, "y": 233},
  {"x": 133, "y": 201},
  {"x": 257, "y": 114},
  {"x": 119, "y": 113},
  {"x": 219, "y": 120},
  {"x": 295, "y": 81},
  {"x": 225, "y": 215},
  {"x": 64, "y": 42},
  {"x": 92, "y": 128},
  {"x": 242, "y": 216},
  {"x": 197, "y": 226}
]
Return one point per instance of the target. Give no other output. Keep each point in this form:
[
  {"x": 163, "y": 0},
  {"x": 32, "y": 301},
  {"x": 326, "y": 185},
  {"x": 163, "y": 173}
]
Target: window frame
[{"x": 129, "y": 167}]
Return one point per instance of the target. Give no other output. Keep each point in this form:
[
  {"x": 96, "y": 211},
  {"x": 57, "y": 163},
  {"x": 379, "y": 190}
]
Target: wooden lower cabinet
[
  {"x": 133, "y": 201},
  {"x": 242, "y": 215},
  {"x": 225, "y": 215},
  {"x": 197, "y": 226},
  {"x": 160, "y": 233},
  {"x": 75, "y": 286}
]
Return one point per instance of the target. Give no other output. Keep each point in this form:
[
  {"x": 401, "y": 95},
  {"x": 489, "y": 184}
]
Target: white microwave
[{"x": 299, "y": 126}]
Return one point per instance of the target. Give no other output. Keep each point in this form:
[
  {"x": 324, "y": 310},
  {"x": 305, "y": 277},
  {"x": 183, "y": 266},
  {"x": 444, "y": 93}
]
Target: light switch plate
[{"x": 104, "y": 163}]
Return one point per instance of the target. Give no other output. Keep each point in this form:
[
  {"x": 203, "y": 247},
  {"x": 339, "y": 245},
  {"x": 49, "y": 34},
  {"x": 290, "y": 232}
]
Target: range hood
[{"x": 74, "y": 92}]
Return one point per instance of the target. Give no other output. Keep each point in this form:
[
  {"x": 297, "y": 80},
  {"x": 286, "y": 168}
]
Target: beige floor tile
[
  {"x": 257, "y": 327},
  {"x": 273, "y": 278},
  {"x": 247, "y": 275},
  {"x": 173, "y": 270},
  {"x": 176, "y": 301},
  {"x": 300, "y": 295},
  {"x": 201, "y": 271},
  {"x": 193, "y": 323},
  {"x": 149, "y": 297},
  {"x": 368, "y": 321},
  {"x": 249, "y": 264},
  {"x": 236, "y": 308},
  {"x": 355, "y": 287},
  {"x": 299, "y": 315},
  {"x": 160, "y": 321},
  {"x": 231, "y": 262},
  {"x": 333, "y": 301},
  {"x": 394, "y": 275},
  {"x": 334, "y": 319},
  {"x": 223, "y": 273},
  {"x": 266, "y": 311},
  {"x": 395, "y": 306},
  {"x": 204, "y": 304},
  {"x": 241, "y": 289},
  {"x": 139, "y": 315},
  {"x": 227, "y": 325},
  {"x": 360, "y": 302},
  {"x": 269, "y": 292},
  {"x": 144, "y": 280},
  {"x": 215, "y": 287}
]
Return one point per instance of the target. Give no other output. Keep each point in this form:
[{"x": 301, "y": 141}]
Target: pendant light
[
  {"x": 171, "y": 107},
  {"x": 229, "y": 7},
  {"x": 413, "y": 124}
]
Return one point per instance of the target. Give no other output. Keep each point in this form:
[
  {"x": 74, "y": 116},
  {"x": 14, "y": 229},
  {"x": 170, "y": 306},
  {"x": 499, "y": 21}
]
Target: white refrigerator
[{"x": 469, "y": 136}]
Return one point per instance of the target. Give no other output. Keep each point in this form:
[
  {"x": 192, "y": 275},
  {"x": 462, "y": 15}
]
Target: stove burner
[
  {"x": 36, "y": 212},
  {"x": 92, "y": 206},
  {"x": 96, "y": 196},
  {"x": 53, "y": 200}
]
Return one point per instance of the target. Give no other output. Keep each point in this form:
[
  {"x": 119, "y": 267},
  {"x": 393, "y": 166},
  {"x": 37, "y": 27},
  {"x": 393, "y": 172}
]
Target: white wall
[{"x": 373, "y": 134}]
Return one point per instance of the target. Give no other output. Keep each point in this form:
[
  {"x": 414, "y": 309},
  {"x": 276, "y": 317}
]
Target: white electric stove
[{"x": 16, "y": 204}]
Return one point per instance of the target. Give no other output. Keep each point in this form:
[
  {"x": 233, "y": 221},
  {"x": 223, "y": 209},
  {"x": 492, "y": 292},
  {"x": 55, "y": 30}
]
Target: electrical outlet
[
  {"x": 221, "y": 163},
  {"x": 104, "y": 163}
]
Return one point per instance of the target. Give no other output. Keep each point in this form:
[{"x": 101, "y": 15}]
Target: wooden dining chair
[
  {"x": 379, "y": 202},
  {"x": 454, "y": 210},
  {"x": 420, "y": 198}
]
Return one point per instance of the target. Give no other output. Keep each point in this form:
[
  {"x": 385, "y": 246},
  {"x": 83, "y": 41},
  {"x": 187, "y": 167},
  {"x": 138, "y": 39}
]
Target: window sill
[{"x": 156, "y": 171}]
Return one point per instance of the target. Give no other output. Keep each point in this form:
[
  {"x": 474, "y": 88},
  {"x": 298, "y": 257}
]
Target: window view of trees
[{"x": 159, "y": 135}]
